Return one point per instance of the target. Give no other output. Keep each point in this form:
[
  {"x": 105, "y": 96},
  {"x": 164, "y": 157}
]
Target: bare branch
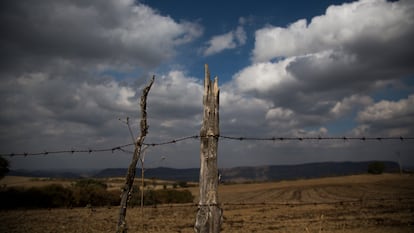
[
  {"x": 129, "y": 128},
  {"x": 129, "y": 179}
]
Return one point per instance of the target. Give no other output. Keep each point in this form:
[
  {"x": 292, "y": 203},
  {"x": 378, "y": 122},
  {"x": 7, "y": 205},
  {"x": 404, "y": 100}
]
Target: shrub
[
  {"x": 11, "y": 198},
  {"x": 57, "y": 196},
  {"x": 183, "y": 184},
  {"x": 4, "y": 167},
  {"x": 37, "y": 197},
  {"x": 90, "y": 183},
  {"x": 93, "y": 192},
  {"x": 376, "y": 168},
  {"x": 82, "y": 193}
]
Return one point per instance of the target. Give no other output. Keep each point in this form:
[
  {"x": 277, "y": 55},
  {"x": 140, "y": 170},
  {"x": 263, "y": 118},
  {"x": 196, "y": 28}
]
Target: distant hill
[
  {"x": 66, "y": 173},
  {"x": 236, "y": 174}
]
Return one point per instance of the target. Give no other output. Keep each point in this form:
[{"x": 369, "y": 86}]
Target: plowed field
[{"x": 366, "y": 203}]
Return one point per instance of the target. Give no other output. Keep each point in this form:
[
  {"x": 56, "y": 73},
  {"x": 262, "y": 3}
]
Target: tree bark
[
  {"x": 129, "y": 179},
  {"x": 208, "y": 219}
]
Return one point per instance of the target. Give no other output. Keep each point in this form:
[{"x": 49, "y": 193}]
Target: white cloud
[
  {"x": 388, "y": 118},
  {"x": 328, "y": 68},
  {"x": 348, "y": 103},
  {"x": 340, "y": 27},
  {"x": 220, "y": 43},
  {"x": 263, "y": 77},
  {"x": 281, "y": 118},
  {"x": 63, "y": 113},
  {"x": 175, "y": 88},
  {"x": 110, "y": 95},
  {"x": 386, "y": 110},
  {"x": 279, "y": 114},
  {"x": 225, "y": 41},
  {"x": 240, "y": 35}
]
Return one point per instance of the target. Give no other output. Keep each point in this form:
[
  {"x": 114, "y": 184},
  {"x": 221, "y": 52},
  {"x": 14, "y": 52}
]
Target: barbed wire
[
  {"x": 244, "y": 205},
  {"x": 315, "y": 138},
  {"x": 234, "y": 138}
]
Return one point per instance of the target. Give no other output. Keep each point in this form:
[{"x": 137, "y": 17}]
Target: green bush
[
  {"x": 92, "y": 192},
  {"x": 90, "y": 183},
  {"x": 83, "y": 193},
  {"x": 135, "y": 196},
  {"x": 57, "y": 196}
]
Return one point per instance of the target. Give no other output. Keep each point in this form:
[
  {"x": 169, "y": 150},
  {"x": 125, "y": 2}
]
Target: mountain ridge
[{"x": 235, "y": 174}]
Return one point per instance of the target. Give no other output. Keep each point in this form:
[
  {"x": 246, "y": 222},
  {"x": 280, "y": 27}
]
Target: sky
[{"x": 71, "y": 72}]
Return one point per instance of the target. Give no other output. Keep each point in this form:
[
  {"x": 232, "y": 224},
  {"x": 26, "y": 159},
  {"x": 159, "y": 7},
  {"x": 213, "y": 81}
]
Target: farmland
[{"x": 363, "y": 203}]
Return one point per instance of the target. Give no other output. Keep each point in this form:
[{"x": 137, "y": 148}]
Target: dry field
[
  {"x": 365, "y": 203},
  {"x": 113, "y": 183},
  {"x": 20, "y": 181}
]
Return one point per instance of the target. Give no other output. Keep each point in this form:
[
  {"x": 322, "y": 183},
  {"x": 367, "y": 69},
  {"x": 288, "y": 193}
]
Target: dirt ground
[{"x": 366, "y": 203}]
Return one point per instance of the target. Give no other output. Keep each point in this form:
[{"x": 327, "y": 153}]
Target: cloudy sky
[{"x": 69, "y": 70}]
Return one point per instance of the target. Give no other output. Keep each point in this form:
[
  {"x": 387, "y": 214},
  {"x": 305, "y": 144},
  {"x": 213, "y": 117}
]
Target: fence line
[
  {"x": 234, "y": 138},
  {"x": 287, "y": 203}
]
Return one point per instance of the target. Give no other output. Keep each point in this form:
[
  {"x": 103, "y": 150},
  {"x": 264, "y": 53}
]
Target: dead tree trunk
[
  {"x": 208, "y": 219},
  {"x": 129, "y": 179}
]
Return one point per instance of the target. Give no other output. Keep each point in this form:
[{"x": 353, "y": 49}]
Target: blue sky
[
  {"x": 226, "y": 17},
  {"x": 69, "y": 70}
]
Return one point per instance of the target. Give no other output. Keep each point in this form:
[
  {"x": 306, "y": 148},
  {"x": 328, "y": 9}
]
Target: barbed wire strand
[
  {"x": 288, "y": 203},
  {"x": 274, "y": 139},
  {"x": 315, "y": 138}
]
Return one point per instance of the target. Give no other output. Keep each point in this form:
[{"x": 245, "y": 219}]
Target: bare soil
[{"x": 353, "y": 204}]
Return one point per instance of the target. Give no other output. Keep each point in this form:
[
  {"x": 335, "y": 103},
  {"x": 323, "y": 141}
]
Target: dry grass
[
  {"x": 351, "y": 204},
  {"x": 115, "y": 183},
  {"x": 14, "y": 181}
]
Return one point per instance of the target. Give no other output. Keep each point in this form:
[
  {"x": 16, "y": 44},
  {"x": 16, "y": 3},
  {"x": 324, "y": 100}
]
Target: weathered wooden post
[
  {"x": 129, "y": 179},
  {"x": 208, "y": 219}
]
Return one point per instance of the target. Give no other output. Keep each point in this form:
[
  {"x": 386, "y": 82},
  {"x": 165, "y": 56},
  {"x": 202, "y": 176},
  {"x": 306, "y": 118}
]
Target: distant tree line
[
  {"x": 376, "y": 168},
  {"x": 85, "y": 192},
  {"x": 4, "y": 167}
]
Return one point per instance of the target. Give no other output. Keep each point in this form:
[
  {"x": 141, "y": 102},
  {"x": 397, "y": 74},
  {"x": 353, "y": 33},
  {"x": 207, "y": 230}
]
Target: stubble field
[{"x": 364, "y": 203}]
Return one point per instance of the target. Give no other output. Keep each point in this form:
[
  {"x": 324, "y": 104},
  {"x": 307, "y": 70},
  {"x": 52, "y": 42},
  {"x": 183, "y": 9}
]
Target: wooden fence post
[{"x": 209, "y": 214}]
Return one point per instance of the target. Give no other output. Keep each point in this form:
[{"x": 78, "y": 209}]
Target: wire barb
[{"x": 177, "y": 140}]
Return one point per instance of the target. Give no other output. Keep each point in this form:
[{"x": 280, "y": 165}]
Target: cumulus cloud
[
  {"x": 225, "y": 41},
  {"x": 58, "y": 78},
  {"x": 387, "y": 110},
  {"x": 348, "y": 103},
  {"x": 281, "y": 118},
  {"x": 391, "y": 117},
  {"x": 56, "y": 54},
  {"x": 56, "y": 91},
  {"x": 241, "y": 114},
  {"x": 318, "y": 72},
  {"x": 175, "y": 105},
  {"x": 39, "y": 113},
  {"x": 263, "y": 77},
  {"x": 346, "y": 26},
  {"x": 110, "y": 33}
]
